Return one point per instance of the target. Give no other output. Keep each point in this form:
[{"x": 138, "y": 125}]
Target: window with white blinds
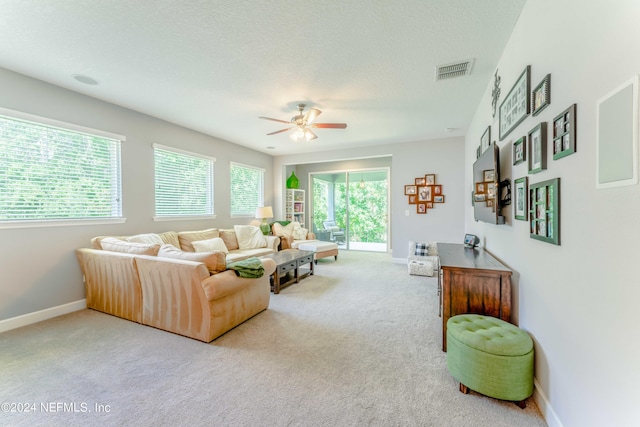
[
  {"x": 183, "y": 182},
  {"x": 247, "y": 189},
  {"x": 51, "y": 170}
]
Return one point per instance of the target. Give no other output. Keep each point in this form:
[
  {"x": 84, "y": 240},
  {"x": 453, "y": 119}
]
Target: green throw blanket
[{"x": 250, "y": 268}]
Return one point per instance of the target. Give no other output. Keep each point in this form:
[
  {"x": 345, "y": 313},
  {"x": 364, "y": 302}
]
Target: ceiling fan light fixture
[{"x": 299, "y": 134}]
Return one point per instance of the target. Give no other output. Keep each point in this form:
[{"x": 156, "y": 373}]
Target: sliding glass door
[{"x": 351, "y": 208}]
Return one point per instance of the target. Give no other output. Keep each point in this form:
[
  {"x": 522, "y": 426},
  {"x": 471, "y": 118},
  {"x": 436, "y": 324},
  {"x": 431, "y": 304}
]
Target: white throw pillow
[
  {"x": 116, "y": 245},
  {"x": 284, "y": 230},
  {"x": 149, "y": 238},
  {"x": 299, "y": 233},
  {"x": 216, "y": 261},
  {"x": 215, "y": 244},
  {"x": 249, "y": 237}
]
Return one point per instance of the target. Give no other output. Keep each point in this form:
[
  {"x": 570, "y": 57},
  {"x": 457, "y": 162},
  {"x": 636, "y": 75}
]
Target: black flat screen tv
[{"x": 486, "y": 181}]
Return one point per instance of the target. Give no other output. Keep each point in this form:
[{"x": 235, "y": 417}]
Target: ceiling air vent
[{"x": 457, "y": 69}]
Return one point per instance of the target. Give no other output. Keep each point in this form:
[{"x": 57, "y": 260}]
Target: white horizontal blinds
[
  {"x": 184, "y": 183},
  {"x": 50, "y": 172},
  {"x": 247, "y": 189}
]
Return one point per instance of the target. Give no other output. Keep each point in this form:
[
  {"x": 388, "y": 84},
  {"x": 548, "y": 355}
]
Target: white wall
[
  {"x": 444, "y": 157},
  {"x": 38, "y": 265},
  {"x": 578, "y": 300}
]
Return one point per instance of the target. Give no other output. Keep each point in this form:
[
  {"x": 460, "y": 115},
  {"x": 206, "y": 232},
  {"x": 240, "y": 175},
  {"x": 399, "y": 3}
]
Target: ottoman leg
[
  {"x": 464, "y": 389},
  {"x": 521, "y": 404}
]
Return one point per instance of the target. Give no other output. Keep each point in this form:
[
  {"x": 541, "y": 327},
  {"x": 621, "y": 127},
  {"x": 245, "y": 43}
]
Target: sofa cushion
[
  {"x": 296, "y": 243},
  {"x": 116, "y": 245},
  {"x": 150, "y": 238},
  {"x": 230, "y": 240},
  {"x": 215, "y": 261},
  {"x": 239, "y": 255},
  {"x": 249, "y": 237},
  {"x": 186, "y": 237},
  {"x": 215, "y": 244},
  {"x": 170, "y": 237}
]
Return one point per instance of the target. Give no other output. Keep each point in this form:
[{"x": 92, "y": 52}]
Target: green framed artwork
[
  {"x": 544, "y": 211},
  {"x": 520, "y": 150},
  {"x": 564, "y": 133},
  {"x": 538, "y": 148},
  {"x": 520, "y": 210}
]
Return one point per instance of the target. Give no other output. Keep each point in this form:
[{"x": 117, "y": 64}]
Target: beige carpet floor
[{"x": 358, "y": 344}]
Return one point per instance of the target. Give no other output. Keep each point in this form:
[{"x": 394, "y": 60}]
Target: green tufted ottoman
[{"x": 491, "y": 357}]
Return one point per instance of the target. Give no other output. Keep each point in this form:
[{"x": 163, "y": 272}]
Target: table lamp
[{"x": 263, "y": 213}]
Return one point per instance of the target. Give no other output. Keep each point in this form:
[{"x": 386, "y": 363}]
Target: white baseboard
[
  {"x": 545, "y": 407},
  {"x": 39, "y": 316}
]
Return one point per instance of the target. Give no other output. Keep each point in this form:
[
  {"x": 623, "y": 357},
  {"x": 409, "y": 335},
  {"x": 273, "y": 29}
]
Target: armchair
[
  {"x": 423, "y": 258},
  {"x": 337, "y": 233},
  {"x": 324, "y": 235}
]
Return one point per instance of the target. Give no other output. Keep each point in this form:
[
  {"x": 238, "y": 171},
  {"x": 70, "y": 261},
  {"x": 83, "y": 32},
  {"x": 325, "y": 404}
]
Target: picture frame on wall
[
  {"x": 424, "y": 194},
  {"x": 410, "y": 189},
  {"x": 544, "y": 211},
  {"x": 438, "y": 199},
  {"x": 413, "y": 199},
  {"x": 520, "y": 150},
  {"x": 516, "y": 105},
  {"x": 538, "y": 148},
  {"x": 564, "y": 133},
  {"x": 421, "y": 181},
  {"x": 485, "y": 140},
  {"x": 421, "y": 208},
  {"x": 430, "y": 179},
  {"x": 541, "y": 96},
  {"x": 520, "y": 204}
]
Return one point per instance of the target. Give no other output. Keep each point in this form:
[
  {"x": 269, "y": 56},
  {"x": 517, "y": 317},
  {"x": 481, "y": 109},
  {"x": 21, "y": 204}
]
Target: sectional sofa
[{"x": 161, "y": 280}]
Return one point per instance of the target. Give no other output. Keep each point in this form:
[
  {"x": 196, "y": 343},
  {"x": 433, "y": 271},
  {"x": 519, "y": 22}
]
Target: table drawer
[
  {"x": 305, "y": 260},
  {"x": 287, "y": 267}
]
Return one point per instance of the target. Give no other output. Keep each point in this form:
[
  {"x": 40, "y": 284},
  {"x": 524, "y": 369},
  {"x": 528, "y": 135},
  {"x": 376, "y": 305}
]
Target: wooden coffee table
[{"x": 286, "y": 261}]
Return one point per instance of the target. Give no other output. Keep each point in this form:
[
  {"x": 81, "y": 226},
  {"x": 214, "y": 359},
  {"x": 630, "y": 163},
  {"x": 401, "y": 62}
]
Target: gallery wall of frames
[
  {"x": 537, "y": 202},
  {"x": 424, "y": 193}
]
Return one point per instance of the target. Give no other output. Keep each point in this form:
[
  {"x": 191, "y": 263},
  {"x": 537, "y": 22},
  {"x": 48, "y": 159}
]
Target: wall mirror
[{"x": 617, "y": 137}]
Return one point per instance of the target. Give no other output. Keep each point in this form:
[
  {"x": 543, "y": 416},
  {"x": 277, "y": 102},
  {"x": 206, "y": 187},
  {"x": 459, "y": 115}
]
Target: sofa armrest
[
  {"x": 222, "y": 284},
  {"x": 111, "y": 282},
  {"x": 311, "y": 236},
  {"x": 285, "y": 242},
  {"x": 273, "y": 242},
  {"x": 173, "y": 298}
]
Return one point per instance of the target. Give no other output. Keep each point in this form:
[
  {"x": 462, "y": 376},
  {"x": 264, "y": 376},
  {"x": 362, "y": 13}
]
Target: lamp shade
[{"x": 264, "y": 212}]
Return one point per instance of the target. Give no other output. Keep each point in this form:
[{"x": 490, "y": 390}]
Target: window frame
[
  {"x": 251, "y": 214},
  {"x": 70, "y": 127}
]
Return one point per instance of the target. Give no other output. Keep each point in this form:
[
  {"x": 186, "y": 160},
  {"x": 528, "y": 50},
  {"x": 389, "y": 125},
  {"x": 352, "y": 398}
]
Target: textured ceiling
[{"x": 215, "y": 66}]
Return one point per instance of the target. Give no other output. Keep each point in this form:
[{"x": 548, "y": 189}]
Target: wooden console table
[{"x": 472, "y": 281}]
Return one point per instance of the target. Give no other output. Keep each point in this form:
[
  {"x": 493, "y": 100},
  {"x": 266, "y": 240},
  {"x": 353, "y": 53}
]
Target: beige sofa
[{"x": 189, "y": 293}]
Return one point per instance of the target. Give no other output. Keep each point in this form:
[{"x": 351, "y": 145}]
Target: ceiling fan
[{"x": 302, "y": 122}]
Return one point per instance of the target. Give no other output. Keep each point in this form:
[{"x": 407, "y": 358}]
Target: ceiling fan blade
[
  {"x": 274, "y": 120},
  {"x": 328, "y": 125},
  {"x": 279, "y": 131},
  {"x": 313, "y": 135},
  {"x": 312, "y": 114}
]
